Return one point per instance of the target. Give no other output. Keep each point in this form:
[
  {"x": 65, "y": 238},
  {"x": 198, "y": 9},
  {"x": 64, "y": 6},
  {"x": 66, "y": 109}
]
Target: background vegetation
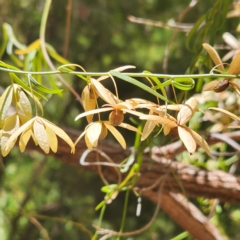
[{"x": 101, "y": 38}]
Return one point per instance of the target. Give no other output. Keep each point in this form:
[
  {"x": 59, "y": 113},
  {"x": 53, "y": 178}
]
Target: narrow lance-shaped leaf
[
  {"x": 4, "y": 41},
  {"x": 42, "y": 88},
  {"x": 17, "y": 80},
  {"x": 119, "y": 69},
  {"x": 31, "y": 47},
  {"x": 52, "y": 52},
  {"x": 139, "y": 84}
]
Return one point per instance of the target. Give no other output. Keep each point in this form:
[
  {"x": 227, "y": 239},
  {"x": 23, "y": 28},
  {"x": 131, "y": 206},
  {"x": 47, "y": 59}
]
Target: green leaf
[
  {"x": 109, "y": 188},
  {"x": 4, "y": 40},
  {"x": 42, "y": 88},
  {"x": 52, "y": 52},
  {"x": 194, "y": 34},
  {"x": 139, "y": 84},
  {"x": 69, "y": 68},
  {"x": 25, "y": 86},
  {"x": 8, "y": 66},
  {"x": 158, "y": 83},
  {"x": 207, "y": 26},
  {"x": 189, "y": 83}
]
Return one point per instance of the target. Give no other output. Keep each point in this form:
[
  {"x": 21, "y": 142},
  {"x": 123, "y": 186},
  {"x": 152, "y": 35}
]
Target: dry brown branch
[{"x": 196, "y": 182}]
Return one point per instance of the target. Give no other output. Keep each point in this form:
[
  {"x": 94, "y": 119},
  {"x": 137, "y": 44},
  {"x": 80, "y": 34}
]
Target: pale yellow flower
[
  {"x": 189, "y": 138},
  {"x": 234, "y": 69},
  {"x": 96, "y": 131},
  {"x": 43, "y": 133}
]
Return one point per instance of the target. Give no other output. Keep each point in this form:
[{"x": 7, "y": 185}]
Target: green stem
[
  {"x": 44, "y": 51},
  {"x": 124, "y": 212},
  {"x": 99, "y": 74},
  {"x": 99, "y": 221}
]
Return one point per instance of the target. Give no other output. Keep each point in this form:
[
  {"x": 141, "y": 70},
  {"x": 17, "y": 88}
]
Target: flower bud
[
  {"x": 221, "y": 86},
  {"x": 116, "y": 117}
]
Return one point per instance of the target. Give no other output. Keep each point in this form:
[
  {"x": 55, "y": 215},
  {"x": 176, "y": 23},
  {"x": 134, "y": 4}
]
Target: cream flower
[
  {"x": 43, "y": 133},
  {"x": 189, "y": 138}
]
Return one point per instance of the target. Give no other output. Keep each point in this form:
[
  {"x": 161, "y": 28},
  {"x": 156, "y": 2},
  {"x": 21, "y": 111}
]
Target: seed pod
[
  {"x": 173, "y": 134},
  {"x": 116, "y": 117},
  {"x": 103, "y": 132},
  {"x": 221, "y": 86}
]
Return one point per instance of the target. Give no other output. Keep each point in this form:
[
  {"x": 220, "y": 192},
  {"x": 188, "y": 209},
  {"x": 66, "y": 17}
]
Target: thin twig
[{"x": 67, "y": 28}]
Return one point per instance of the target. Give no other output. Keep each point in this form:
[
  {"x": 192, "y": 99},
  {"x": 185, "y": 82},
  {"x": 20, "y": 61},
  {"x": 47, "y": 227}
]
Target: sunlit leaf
[
  {"x": 52, "y": 52},
  {"x": 31, "y": 47}
]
